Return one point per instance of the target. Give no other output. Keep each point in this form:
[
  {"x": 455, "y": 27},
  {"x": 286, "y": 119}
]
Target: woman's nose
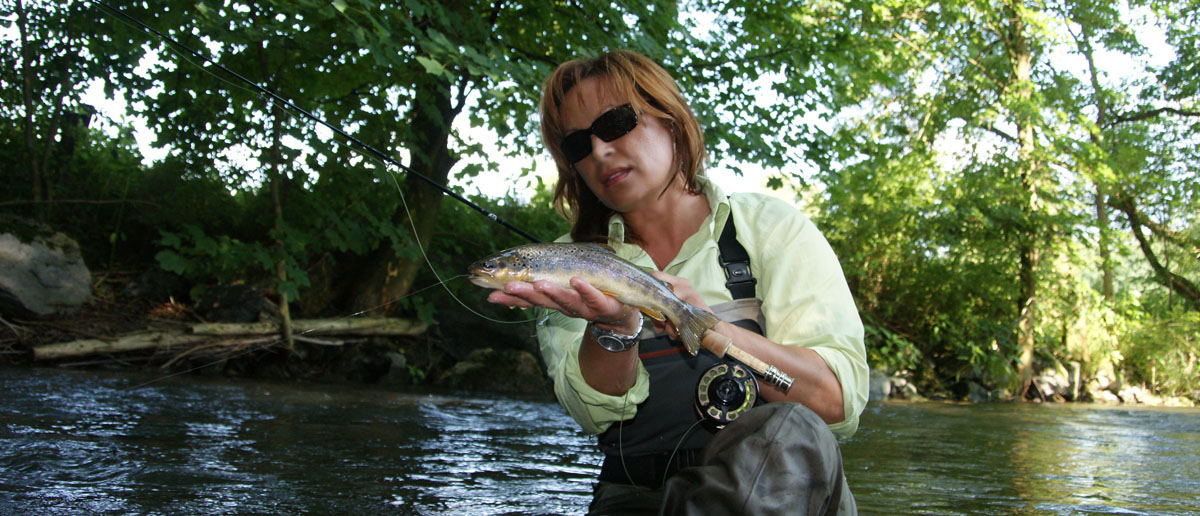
[{"x": 601, "y": 148}]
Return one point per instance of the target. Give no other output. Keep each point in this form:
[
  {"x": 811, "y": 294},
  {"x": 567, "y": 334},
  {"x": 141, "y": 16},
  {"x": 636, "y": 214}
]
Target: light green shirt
[{"x": 805, "y": 301}]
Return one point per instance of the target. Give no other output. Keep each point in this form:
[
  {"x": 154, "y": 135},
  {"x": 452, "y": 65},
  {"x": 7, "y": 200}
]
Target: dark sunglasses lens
[
  {"x": 615, "y": 123},
  {"x": 577, "y": 146}
]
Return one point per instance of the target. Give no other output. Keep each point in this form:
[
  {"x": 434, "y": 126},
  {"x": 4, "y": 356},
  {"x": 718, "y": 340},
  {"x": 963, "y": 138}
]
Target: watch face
[{"x": 614, "y": 343}]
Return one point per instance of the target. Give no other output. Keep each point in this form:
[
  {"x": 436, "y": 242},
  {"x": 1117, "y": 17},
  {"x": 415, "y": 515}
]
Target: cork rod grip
[{"x": 721, "y": 345}]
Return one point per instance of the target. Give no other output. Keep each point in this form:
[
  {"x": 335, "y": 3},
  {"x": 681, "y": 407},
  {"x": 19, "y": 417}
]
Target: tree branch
[
  {"x": 1176, "y": 283},
  {"x": 79, "y": 201},
  {"x": 1152, "y": 114},
  {"x": 1191, "y": 244},
  {"x": 714, "y": 64},
  {"x": 1003, "y": 135}
]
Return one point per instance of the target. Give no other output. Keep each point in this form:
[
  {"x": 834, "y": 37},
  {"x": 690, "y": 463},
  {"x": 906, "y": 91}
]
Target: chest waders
[{"x": 668, "y": 432}]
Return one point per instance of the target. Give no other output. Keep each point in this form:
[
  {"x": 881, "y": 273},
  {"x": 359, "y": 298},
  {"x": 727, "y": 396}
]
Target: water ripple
[{"x": 75, "y": 443}]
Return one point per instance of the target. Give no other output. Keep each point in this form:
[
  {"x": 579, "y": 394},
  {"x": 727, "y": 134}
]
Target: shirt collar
[{"x": 718, "y": 205}]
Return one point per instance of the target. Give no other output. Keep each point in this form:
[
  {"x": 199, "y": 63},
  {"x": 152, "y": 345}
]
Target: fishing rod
[{"x": 337, "y": 130}]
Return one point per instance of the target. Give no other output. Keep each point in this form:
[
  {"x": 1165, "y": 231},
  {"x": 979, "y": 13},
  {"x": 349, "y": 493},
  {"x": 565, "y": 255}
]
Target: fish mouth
[{"x": 483, "y": 281}]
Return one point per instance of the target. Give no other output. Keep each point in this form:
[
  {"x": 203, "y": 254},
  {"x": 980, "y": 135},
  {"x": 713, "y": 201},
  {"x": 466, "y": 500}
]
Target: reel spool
[{"x": 725, "y": 392}]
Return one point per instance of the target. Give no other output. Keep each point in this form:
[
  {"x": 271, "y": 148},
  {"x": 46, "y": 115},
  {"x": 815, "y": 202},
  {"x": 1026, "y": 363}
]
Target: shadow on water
[{"x": 84, "y": 443}]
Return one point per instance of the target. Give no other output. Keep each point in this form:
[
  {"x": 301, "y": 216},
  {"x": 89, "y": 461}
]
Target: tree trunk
[
  {"x": 1021, "y": 59},
  {"x": 35, "y": 174},
  {"x": 1084, "y": 43},
  {"x": 276, "y": 180},
  {"x": 1106, "y": 287},
  {"x": 385, "y": 276}
]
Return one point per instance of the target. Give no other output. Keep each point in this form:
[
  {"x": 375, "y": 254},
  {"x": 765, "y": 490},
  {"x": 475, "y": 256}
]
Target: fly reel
[{"x": 725, "y": 392}]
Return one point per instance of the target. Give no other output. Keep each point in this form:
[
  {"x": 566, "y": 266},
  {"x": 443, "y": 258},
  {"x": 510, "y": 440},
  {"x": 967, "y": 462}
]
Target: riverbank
[
  {"x": 1048, "y": 386},
  {"x": 451, "y": 355},
  {"x": 457, "y": 351}
]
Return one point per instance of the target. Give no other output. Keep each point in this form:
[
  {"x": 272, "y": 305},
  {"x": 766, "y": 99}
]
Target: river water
[{"x": 98, "y": 443}]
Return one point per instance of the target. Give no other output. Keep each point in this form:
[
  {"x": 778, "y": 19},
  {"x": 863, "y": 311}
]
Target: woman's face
[{"x": 629, "y": 170}]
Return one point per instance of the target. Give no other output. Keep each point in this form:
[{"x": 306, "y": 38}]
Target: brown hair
[{"x": 652, "y": 92}]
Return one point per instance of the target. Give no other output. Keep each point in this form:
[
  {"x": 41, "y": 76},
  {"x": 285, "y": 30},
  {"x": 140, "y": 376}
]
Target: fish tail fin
[{"x": 696, "y": 321}]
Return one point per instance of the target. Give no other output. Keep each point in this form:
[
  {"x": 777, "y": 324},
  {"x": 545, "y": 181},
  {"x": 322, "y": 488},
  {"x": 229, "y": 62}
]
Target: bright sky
[{"x": 507, "y": 178}]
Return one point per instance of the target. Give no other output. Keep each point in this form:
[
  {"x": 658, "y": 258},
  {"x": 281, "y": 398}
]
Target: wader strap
[{"x": 736, "y": 262}]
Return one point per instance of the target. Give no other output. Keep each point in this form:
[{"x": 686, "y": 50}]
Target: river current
[{"x": 103, "y": 443}]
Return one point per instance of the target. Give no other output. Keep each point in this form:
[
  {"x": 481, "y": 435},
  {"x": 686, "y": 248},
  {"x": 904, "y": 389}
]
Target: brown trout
[{"x": 602, "y": 269}]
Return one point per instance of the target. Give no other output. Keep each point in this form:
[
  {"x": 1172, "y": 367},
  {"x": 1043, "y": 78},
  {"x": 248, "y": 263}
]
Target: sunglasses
[{"x": 613, "y": 124}]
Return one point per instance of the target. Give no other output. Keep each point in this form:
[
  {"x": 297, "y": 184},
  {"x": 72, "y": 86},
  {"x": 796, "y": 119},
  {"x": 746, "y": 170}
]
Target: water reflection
[
  {"x": 82, "y": 443},
  {"x": 937, "y": 458}
]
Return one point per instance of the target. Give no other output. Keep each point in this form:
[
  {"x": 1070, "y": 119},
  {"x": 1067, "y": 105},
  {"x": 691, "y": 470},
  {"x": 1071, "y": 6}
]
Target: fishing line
[
  {"x": 365, "y": 151},
  {"x": 337, "y": 130},
  {"x": 421, "y": 247},
  {"x": 293, "y": 115},
  {"x": 621, "y": 445}
]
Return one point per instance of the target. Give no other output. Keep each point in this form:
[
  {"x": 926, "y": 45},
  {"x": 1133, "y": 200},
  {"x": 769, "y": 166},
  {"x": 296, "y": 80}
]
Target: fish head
[{"x": 501, "y": 268}]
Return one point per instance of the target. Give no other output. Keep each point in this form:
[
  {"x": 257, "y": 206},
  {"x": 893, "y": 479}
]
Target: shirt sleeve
[
  {"x": 559, "y": 338},
  {"x": 806, "y": 301}
]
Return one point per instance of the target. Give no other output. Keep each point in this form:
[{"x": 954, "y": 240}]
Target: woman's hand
[
  {"x": 682, "y": 287},
  {"x": 582, "y": 301}
]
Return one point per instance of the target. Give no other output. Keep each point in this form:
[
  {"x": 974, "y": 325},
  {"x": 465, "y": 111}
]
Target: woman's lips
[{"x": 612, "y": 177}]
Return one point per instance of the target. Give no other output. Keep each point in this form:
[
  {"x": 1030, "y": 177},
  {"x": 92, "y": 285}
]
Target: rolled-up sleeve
[
  {"x": 559, "y": 338},
  {"x": 806, "y": 301}
]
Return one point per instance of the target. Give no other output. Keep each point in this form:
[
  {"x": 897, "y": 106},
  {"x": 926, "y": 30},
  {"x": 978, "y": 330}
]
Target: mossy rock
[{"x": 506, "y": 371}]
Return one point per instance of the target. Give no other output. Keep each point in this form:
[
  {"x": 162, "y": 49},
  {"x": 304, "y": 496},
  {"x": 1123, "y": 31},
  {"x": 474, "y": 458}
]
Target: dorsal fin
[{"x": 599, "y": 247}]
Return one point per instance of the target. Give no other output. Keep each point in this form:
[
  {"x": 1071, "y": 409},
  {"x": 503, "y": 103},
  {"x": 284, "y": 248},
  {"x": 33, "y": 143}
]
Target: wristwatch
[{"x": 616, "y": 342}]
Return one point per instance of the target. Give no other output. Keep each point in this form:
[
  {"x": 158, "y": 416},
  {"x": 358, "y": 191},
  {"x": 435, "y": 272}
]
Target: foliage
[
  {"x": 985, "y": 211},
  {"x": 1162, "y": 350}
]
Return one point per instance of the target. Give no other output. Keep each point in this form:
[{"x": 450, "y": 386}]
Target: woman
[{"x": 630, "y": 158}]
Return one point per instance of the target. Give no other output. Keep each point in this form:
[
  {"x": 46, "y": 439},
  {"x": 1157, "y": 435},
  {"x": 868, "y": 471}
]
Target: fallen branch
[
  {"x": 137, "y": 341},
  {"x": 211, "y": 335},
  {"x": 358, "y": 326},
  {"x": 319, "y": 342}
]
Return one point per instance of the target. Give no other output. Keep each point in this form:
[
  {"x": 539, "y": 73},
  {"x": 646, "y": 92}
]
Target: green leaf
[
  {"x": 170, "y": 261},
  {"x": 431, "y": 66}
]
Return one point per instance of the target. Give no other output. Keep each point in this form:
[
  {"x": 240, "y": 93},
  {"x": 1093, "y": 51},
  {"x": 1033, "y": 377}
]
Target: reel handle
[{"x": 721, "y": 345}]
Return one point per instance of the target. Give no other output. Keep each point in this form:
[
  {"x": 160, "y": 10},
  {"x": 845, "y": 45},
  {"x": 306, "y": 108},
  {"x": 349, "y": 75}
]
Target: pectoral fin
[{"x": 653, "y": 314}]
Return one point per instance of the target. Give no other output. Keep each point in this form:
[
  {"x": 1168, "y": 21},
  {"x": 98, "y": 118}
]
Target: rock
[
  {"x": 156, "y": 285},
  {"x": 398, "y": 372},
  {"x": 1106, "y": 379},
  {"x": 1104, "y": 386},
  {"x": 880, "y": 386},
  {"x": 902, "y": 388},
  {"x": 1053, "y": 384},
  {"x": 1178, "y": 401},
  {"x": 977, "y": 393},
  {"x": 1105, "y": 397},
  {"x": 1137, "y": 394},
  {"x": 509, "y": 371},
  {"x": 235, "y": 304},
  {"x": 41, "y": 275}
]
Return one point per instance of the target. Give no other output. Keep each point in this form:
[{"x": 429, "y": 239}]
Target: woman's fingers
[
  {"x": 682, "y": 287},
  {"x": 502, "y": 298},
  {"x": 581, "y": 300},
  {"x": 602, "y": 307}
]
